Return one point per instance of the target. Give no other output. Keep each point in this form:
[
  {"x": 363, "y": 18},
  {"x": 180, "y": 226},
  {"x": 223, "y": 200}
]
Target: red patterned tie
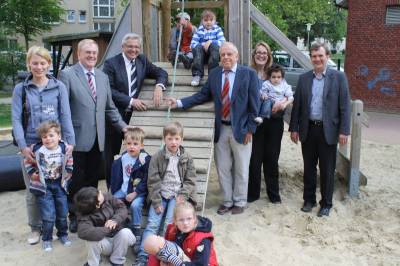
[
  {"x": 226, "y": 102},
  {"x": 91, "y": 85}
]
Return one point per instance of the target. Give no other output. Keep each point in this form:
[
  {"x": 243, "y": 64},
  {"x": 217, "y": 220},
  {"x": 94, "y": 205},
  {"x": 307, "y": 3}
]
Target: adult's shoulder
[
  {"x": 306, "y": 74},
  {"x": 215, "y": 71}
]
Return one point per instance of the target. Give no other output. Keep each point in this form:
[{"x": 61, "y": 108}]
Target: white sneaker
[
  {"x": 195, "y": 81},
  {"x": 34, "y": 237},
  {"x": 47, "y": 246}
]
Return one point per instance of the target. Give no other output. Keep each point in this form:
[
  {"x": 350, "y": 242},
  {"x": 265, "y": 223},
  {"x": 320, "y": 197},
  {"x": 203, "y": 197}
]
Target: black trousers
[
  {"x": 86, "y": 172},
  {"x": 316, "y": 151},
  {"x": 199, "y": 56},
  {"x": 265, "y": 152},
  {"x": 112, "y": 145}
]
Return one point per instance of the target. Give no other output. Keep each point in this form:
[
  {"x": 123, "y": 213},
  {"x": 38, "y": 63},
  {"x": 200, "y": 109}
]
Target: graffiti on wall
[{"x": 383, "y": 81}]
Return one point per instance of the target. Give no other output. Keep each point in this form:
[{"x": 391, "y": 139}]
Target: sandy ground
[{"x": 362, "y": 231}]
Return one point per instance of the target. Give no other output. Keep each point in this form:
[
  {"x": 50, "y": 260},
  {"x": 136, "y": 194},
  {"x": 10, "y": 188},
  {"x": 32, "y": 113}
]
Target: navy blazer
[
  {"x": 245, "y": 100},
  {"x": 115, "y": 68},
  {"x": 336, "y": 108},
  {"x": 139, "y": 172}
]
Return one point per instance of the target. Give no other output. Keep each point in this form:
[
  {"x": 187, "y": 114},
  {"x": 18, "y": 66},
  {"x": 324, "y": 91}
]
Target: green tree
[
  {"x": 29, "y": 17},
  {"x": 291, "y": 17}
]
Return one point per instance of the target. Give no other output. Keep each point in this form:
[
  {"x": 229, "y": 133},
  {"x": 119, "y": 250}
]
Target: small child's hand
[
  {"x": 131, "y": 196},
  {"x": 206, "y": 45},
  {"x": 159, "y": 209},
  {"x": 110, "y": 224}
]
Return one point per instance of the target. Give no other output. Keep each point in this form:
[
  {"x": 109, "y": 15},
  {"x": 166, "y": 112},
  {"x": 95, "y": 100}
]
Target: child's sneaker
[
  {"x": 195, "y": 81},
  {"x": 34, "y": 237},
  {"x": 65, "y": 241},
  {"x": 258, "y": 120},
  {"x": 47, "y": 246}
]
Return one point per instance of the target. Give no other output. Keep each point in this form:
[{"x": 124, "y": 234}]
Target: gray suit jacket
[
  {"x": 88, "y": 116},
  {"x": 335, "y": 108}
]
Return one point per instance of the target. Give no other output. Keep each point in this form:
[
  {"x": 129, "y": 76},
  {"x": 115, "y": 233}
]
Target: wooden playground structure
[{"x": 152, "y": 20}]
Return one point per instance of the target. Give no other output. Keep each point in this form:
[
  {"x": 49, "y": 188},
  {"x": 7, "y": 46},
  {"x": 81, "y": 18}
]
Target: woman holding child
[
  {"x": 39, "y": 98},
  {"x": 267, "y": 139}
]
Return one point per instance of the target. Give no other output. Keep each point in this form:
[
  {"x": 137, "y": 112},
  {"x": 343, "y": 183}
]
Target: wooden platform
[{"x": 198, "y": 124}]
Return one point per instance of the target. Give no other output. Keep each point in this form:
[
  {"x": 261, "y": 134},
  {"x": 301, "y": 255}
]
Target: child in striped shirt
[{"x": 205, "y": 45}]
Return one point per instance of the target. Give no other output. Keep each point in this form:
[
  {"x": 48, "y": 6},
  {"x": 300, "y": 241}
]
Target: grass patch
[
  {"x": 5, "y": 94},
  {"x": 5, "y": 115}
]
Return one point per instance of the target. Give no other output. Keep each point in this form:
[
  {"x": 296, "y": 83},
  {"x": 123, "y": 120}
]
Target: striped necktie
[
  {"x": 133, "y": 85},
  {"x": 226, "y": 102},
  {"x": 91, "y": 84}
]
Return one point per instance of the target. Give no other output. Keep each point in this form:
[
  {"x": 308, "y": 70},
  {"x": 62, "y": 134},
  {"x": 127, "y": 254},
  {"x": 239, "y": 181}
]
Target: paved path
[{"x": 383, "y": 128}]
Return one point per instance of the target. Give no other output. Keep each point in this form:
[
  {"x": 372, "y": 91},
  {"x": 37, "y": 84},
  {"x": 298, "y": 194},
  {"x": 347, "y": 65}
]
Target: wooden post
[
  {"x": 136, "y": 17},
  {"x": 226, "y": 18},
  {"x": 234, "y": 35},
  {"x": 166, "y": 27},
  {"x": 246, "y": 33},
  {"x": 147, "y": 28},
  {"x": 357, "y": 117}
]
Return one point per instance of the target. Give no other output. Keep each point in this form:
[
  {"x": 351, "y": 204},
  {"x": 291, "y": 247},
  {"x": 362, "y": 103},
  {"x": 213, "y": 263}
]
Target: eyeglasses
[{"x": 261, "y": 53}]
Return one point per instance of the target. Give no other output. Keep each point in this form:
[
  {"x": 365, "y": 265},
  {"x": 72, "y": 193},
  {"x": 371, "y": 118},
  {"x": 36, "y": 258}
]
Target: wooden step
[{"x": 194, "y": 134}]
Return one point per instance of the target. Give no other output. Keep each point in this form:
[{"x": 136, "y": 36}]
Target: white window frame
[
  {"x": 82, "y": 21},
  {"x": 110, "y": 6},
  {"x": 392, "y": 16},
  {"x": 110, "y": 26},
  {"x": 73, "y": 12}
]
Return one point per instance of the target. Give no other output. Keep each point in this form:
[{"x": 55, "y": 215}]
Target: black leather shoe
[
  {"x": 307, "y": 207},
  {"x": 73, "y": 225},
  {"x": 324, "y": 211}
]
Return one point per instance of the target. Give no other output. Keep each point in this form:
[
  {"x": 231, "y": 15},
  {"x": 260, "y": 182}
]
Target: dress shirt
[
  {"x": 93, "y": 75},
  {"x": 317, "y": 96}
]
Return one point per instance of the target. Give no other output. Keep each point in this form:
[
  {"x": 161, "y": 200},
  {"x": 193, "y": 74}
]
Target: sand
[{"x": 361, "y": 231}]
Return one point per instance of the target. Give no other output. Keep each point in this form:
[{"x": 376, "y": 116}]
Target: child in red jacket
[{"x": 188, "y": 241}]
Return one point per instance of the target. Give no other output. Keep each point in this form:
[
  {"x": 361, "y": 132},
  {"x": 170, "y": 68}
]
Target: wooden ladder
[{"x": 198, "y": 123}]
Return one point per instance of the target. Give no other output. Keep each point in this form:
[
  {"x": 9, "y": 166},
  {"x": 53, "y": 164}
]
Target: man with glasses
[{"x": 126, "y": 72}]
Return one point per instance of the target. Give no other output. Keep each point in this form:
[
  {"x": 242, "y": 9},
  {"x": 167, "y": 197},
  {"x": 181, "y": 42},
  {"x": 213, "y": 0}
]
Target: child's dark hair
[
  {"x": 45, "y": 127},
  {"x": 276, "y": 68},
  {"x": 86, "y": 200}
]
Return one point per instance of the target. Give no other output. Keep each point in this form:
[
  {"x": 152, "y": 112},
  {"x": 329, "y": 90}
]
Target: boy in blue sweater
[
  {"x": 129, "y": 176},
  {"x": 205, "y": 45}
]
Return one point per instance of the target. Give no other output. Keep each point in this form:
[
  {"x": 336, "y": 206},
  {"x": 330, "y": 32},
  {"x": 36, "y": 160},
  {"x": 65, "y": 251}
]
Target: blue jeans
[
  {"x": 154, "y": 222},
  {"x": 136, "y": 209},
  {"x": 53, "y": 209}
]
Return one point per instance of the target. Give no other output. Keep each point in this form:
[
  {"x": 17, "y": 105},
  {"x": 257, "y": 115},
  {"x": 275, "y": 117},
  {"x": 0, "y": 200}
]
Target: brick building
[{"x": 373, "y": 52}]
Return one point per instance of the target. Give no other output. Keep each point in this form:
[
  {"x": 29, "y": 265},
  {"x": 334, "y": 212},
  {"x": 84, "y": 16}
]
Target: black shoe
[
  {"x": 324, "y": 211},
  {"x": 115, "y": 264},
  {"x": 307, "y": 207},
  {"x": 187, "y": 63},
  {"x": 249, "y": 200},
  {"x": 86, "y": 264},
  {"x": 73, "y": 224}
]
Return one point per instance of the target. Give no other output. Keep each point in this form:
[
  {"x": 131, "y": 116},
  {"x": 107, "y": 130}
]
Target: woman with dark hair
[
  {"x": 267, "y": 139},
  {"x": 39, "y": 98}
]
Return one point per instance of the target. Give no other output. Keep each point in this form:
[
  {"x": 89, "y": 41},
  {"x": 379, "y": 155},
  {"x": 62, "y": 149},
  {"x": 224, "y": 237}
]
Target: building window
[
  {"x": 393, "y": 15},
  {"x": 71, "y": 16},
  {"x": 100, "y": 26},
  {"x": 103, "y": 8},
  {"x": 82, "y": 16}
]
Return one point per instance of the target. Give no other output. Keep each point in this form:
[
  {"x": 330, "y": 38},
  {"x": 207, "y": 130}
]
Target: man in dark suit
[
  {"x": 320, "y": 118},
  {"x": 235, "y": 91},
  {"x": 126, "y": 72},
  {"x": 91, "y": 104}
]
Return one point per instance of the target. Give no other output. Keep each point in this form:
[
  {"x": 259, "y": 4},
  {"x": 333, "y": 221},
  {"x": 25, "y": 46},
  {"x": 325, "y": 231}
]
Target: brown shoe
[
  {"x": 223, "y": 209},
  {"x": 237, "y": 210}
]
